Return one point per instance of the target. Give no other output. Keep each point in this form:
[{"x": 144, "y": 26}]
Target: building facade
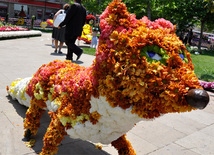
[{"x": 41, "y": 9}]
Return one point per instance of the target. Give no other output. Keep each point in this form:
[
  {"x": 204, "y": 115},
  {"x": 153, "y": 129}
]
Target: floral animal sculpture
[
  {"x": 141, "y": 71},
  {"x": 87, "y": 29}
]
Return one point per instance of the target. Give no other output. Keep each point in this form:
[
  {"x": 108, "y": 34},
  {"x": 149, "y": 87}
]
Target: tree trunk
[
  {"x": 148, "y": 10},
  {"x": 201, "y": 34}
]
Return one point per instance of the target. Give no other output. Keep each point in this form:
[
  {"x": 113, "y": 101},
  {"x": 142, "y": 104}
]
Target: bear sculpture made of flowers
[{"x": 141, "y": 71}]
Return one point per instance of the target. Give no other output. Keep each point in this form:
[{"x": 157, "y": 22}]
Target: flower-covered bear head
[{"x": 143, "y": 65}]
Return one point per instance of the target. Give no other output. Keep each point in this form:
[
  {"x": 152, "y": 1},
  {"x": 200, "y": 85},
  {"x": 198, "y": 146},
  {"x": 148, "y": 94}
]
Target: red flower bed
[{"x": 12, "y": 29}]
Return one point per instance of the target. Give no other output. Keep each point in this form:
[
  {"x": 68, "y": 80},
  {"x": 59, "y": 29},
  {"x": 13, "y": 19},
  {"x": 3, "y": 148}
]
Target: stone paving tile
[
  {"x": 198, "y": 142},
  {"x": 209, "y": 131},
  {"x": 181, "y": 123},
  {"x": 109, "y": 149},
  {"x": 173, "y": 149},
  {"x": 157, "y": 133},
  {"x": 11, "y": 138},
  {"x": 200, "y": 116},
  {"x": 140, "y": 145},
  {"x": 5, "y": 105},
  {"x": 210, "y": 106},
  {"x": 3, "y": 78}
]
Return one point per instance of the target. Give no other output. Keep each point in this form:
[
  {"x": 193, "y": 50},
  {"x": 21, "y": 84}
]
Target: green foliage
[
  {"x": 187, "y": 13},
  {"x": 6, "y": 25},
  {"x": 210, "y": 5},
  {"x": 139, "y": 8},
  {"x": 96, "y": 6},
  {"x": 69, "y": 1},
  {"x": 203, "y": 63}
]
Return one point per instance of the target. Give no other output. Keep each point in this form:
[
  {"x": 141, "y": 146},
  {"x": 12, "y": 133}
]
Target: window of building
[
  {"x": 3, "y": 10},
  {"x": 18, "y": 8}
]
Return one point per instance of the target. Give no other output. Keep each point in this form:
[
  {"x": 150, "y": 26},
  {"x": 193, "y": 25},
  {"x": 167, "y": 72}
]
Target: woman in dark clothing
[
  {"x": 74, "y": 22},
  {"x": 59, "y": 34}
]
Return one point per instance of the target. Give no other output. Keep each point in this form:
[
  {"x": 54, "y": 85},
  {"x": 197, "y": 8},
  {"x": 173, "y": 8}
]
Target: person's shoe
[
  {"x": 79, "y": 56},
  {"x": 60, "y": 52},
  {"x": 55, "y": 51},
  {"x": 68, "y": 59},
  {"x": 53, "y": 46}
]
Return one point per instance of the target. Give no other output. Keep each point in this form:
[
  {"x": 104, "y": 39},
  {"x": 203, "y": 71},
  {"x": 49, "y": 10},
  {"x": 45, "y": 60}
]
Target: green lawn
[
  {"x": 203, "y": 63},
  {"x": 89, "y": 51}
]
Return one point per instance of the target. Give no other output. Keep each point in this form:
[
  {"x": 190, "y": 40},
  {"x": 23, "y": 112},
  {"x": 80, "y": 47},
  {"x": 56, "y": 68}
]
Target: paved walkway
[{"x": 173, "y": 134}]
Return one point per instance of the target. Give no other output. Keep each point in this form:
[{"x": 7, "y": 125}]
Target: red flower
[{"x": 89, "y": 17}]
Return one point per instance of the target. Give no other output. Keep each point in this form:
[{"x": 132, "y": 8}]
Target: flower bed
[
  {"x": 19, "y": 34},
  {"x": 9, "y": 31},
  {"x": 10, "y": 27},
  {"x": 5, "y": 28},
  {"x": 207, "y": 85}
]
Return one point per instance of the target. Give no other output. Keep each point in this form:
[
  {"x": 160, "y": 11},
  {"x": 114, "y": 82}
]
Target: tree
[
  {"x": 204, "y": 15},
  {"x": 187, "y": 13},
  {"x": 96, "y": 6},
  {"x": 147, "y": 8},
  {"x": 210, "y": 5}
]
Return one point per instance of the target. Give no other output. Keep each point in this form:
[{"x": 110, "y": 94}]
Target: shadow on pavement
[
  {"x": 74, "y": 61},
  {"x": 67, "y": 146},
  {"x": 57, "y": 54},
  {"x": 20, "y": 109},
  {"x": 64, "y": 46},
  {"x": 77, "y": 62}
]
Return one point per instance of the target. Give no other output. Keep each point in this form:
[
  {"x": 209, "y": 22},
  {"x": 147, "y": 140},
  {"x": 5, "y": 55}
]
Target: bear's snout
[{"x": 197, "y": 98}]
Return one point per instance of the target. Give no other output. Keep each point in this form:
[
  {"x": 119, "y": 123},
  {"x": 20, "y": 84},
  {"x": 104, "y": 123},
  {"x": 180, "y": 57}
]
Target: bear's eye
[
  {"x": 182, "y": 56},
  {"x": 154, "y": 55}
]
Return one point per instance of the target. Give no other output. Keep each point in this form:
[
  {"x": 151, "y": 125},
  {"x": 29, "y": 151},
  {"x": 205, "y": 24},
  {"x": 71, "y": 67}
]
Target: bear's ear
[{"x": 114, "y": 15}]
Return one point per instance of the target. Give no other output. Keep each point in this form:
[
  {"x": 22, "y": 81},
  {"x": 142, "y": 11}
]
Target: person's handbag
[{"x": 59, "y": 19}]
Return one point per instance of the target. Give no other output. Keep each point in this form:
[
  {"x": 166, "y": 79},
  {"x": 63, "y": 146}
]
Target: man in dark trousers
[{"x": 74, "y": 22}]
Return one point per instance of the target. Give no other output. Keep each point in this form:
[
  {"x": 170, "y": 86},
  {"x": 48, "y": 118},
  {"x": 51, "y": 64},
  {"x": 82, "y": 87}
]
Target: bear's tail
[{"x": 17, "y": 90}]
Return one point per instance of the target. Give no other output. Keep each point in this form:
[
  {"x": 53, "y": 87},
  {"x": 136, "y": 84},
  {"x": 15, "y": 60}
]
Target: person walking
[
  {"x": 94, "y": 39},
  {"x": 52, "y": 40},
  {"x": 74, "y": 22},
  {"x": 190, "y": 35},
  {"x": 59, "y": 34}
]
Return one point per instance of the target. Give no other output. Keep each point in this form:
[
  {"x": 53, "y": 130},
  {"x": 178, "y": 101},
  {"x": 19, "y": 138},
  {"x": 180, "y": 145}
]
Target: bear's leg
[
  {"x": 123, "y": 146},
  {"x": 32, "y": 119},
  {"x": 53, "y": 137}
]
